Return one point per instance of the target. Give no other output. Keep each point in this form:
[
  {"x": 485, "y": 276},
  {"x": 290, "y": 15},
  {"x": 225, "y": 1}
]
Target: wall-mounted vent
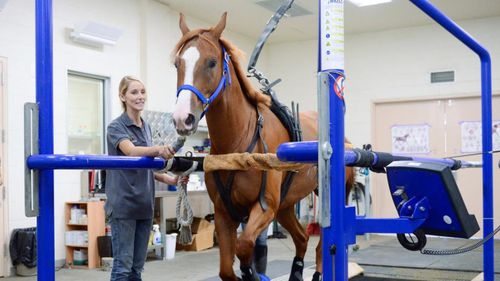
[
  {"x": 95, "y": 34},
  {"x": 442, "y": 76},
  {"x": 294, "y": 11}
]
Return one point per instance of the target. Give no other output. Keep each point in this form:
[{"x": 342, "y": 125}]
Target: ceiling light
[{"x": 363, "y": 3}]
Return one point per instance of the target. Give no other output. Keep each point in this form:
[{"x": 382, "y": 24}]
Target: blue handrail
[
  {"x": 307, "y": 152},
  {"x": 77, "y": 162}
]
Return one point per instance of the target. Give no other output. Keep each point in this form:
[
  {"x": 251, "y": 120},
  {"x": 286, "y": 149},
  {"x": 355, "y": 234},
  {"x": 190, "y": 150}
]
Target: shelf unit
[{"x": 95, "y": 227}]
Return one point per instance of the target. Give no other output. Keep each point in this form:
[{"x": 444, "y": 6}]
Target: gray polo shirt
[{"x": 130, "y": 192}]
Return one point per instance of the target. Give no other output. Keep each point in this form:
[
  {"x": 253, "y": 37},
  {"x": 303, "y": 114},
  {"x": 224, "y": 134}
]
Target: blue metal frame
[
  {"x": 341, "y": 215},
  {"x": 486, "y": 118},
  {"x": 45, "y": 220}
]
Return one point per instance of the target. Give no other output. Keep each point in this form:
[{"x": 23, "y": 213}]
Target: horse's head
[{"x": 202, "y": 74}]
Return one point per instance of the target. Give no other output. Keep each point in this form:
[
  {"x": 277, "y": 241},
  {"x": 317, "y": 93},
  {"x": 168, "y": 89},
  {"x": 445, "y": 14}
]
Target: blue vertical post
[
  {"x": 337, "y": 233},
  {"x": 331, "y": 75},
  {"x": 486, "y": 118},
  {"x": 45, "y": 220}
]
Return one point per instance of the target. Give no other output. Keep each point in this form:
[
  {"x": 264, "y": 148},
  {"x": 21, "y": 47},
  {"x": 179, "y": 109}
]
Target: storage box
[
  {"x": 203, "y": 239},
  {"x": 199, "y": 225}
]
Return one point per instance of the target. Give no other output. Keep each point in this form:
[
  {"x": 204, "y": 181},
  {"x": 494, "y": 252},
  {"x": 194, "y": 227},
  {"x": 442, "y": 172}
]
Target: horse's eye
[
  {"x": 212, "y": 63},
  {"x": 176, "y": 64}
]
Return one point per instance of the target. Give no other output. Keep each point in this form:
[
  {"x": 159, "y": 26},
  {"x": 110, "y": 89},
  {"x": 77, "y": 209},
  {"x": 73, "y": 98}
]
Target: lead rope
[{"x": 186, "y": 219}]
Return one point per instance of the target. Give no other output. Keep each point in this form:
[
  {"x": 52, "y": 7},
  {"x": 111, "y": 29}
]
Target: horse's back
[{"x": 309, "y": 125}]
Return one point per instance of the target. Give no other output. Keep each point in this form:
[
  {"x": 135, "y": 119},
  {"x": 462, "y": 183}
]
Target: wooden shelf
[{"x": 95, "y": 227}]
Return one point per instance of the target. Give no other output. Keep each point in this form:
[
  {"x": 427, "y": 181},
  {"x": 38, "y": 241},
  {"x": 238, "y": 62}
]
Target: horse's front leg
[
  {"x": 257, "y": 222},
  {"x": 226, "y": 234}
]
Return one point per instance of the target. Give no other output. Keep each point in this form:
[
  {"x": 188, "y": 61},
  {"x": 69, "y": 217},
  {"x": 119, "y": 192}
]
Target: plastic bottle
[{"x": 156, "y": 235}]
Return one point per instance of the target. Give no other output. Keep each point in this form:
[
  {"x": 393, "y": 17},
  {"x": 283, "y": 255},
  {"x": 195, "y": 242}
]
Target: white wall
[
  {"x": 148, "y": 59},
  {"x": 386, "y": 65}
]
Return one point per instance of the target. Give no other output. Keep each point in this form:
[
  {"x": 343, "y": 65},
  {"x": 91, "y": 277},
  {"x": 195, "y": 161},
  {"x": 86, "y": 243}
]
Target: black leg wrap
[
  {"x": 317, "y": 276},
  {"x": 260, "y": 259},
  {"x": 297, "y": 269},
  {"x": 248, "y": 273}
]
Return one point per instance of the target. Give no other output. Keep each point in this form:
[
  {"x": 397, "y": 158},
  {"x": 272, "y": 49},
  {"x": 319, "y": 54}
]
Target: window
[{"x": 86, "y": 107}]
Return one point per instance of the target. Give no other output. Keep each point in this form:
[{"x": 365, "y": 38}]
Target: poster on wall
[
  {"x": 410, "y": 139},
  {"x": 471, "y": 136}
]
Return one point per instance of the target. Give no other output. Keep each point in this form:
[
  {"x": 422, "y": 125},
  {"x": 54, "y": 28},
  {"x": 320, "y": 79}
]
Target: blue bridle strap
[{"x": 223, "y": 83}]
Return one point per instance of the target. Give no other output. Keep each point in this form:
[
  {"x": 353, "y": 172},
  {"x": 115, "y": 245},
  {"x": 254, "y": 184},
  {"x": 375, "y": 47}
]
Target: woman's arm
[{"x": 129, "y": 149}]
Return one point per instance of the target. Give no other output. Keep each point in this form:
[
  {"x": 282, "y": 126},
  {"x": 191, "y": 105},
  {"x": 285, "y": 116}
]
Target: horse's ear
[
  {"x": 182, "y": 24},
  {"x": 217, "y": 30}
]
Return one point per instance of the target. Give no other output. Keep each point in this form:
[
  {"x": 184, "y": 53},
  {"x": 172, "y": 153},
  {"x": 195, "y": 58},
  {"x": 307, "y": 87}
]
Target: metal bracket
[
  {"x": 31, "y": 177},
  {"x": 324, "y": 148}
]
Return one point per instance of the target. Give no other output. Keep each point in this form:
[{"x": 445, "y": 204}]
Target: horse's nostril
[
  {"x": 175, "y": 123},
  {"x": 189, "y": 119}
]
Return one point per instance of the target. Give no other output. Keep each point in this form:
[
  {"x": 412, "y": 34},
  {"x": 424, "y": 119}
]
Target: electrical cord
[{"x": 438, "y": 252}]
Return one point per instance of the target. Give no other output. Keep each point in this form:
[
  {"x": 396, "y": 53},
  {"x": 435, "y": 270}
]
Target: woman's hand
[
  {"x": 166, "y": 151},
  {"x": 171, "y": 179},
  {"x": 183, "y": 179}
]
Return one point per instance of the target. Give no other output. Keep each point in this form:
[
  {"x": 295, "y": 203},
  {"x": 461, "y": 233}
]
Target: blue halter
[{"x": 224, "y": 82}]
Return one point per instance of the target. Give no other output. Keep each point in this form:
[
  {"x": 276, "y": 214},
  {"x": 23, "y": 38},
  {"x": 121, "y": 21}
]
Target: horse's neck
[{"x": 231, "y": 121}]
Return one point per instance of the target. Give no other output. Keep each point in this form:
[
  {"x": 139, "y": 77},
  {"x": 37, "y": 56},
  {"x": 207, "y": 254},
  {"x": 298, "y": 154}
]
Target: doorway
[{"x": 446, "y": 127}]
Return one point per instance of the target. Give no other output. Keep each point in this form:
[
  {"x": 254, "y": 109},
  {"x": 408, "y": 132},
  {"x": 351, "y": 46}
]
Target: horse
[{"x": 212, "y": 83}]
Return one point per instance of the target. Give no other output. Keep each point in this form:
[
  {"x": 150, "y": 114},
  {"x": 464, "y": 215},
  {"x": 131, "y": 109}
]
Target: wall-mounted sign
[
  {"x": 410, "y": 139},
  {"x": 471, "y": 136}
]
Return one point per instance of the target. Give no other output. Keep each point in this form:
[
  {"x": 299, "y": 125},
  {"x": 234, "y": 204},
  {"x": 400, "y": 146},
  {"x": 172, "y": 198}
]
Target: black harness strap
[
  {"x": 294, "y": 131},
  {"x": 225, "y": 189}
]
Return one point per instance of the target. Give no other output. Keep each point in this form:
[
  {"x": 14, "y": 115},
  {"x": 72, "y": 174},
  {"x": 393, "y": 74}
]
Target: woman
[{"x": 130, "y": 193}]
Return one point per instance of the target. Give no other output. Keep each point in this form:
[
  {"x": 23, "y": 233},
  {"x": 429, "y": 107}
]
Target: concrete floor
[{"x": 375, "y": 256}]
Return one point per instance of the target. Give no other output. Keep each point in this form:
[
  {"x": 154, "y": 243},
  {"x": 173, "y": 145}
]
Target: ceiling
[{"x": 249, "y": 19}]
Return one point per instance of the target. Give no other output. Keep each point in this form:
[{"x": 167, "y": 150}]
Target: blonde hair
[{"x": 123, "y": 87}]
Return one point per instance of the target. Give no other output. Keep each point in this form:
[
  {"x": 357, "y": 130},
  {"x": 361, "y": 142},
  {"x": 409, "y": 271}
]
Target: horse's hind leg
[
  {"x": 289, "y": 221},
  {"x": 319, "y": 259},
  {"x": 226, "y": 234}
]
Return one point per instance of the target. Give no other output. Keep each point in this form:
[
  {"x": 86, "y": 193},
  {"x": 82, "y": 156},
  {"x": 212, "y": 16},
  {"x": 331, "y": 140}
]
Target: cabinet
[{"x": 82, "y": 230}]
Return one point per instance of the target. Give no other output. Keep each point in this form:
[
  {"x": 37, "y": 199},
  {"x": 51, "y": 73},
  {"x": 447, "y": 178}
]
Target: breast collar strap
[{"x": 223, "y": 83}]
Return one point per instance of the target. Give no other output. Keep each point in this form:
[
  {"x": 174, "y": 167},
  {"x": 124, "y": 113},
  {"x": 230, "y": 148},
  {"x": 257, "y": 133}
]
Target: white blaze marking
[{"x": 190, "y": 58}]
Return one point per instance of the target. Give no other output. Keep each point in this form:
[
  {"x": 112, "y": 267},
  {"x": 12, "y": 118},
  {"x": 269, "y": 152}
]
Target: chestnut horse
[{"x": 211, "y": 80}]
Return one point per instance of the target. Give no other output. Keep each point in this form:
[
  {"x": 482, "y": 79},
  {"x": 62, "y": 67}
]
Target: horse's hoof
[
  {"x": 296, "y": 276},
  {"x": 264, "y": 278},
  {"x": 317, "y": 276},
  {"x": 297, "y": 269},
  {"x": 248, "y": 273}
]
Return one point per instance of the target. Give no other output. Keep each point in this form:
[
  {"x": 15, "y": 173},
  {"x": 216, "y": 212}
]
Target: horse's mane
[{"x": 236, "y": 56}]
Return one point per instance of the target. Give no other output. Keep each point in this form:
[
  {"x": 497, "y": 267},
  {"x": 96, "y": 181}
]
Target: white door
[
  {"x": 453, "y": 124},
  {"x": 3, "y": 243}
]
